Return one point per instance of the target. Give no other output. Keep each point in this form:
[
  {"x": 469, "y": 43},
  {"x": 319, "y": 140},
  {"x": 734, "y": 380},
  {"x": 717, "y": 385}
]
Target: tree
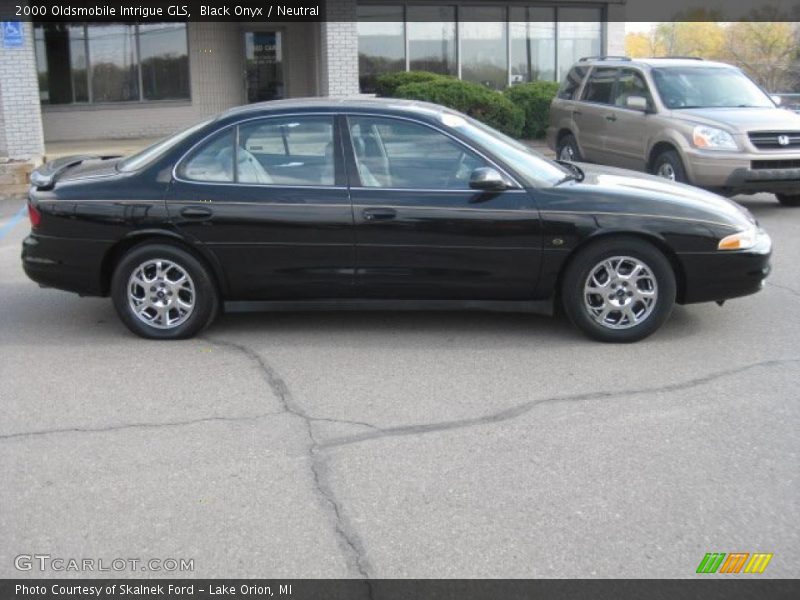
[{"x": 765, "y": 50}]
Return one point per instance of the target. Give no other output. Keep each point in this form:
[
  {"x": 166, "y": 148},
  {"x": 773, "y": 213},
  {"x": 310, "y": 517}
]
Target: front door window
[{"x": 264, "y": 66}]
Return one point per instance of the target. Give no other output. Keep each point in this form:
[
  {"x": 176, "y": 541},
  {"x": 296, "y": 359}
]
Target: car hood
[
  {"x": 743, "y": 120},
  {"x": 621, "y": 191}
]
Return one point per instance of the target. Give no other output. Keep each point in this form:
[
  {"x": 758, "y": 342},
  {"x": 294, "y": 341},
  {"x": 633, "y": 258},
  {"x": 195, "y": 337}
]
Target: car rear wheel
[
  {"x": 669, "y": 165},
  {"x": 162, "y": 292},
  {"x": 619, "y": 290},
  {"x": 567, "y": 149},
  {"x": 789, "y": 199}
]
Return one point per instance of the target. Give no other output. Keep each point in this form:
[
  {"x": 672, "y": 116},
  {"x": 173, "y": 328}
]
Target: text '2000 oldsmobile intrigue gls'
[{"x": 387, "y": 204}]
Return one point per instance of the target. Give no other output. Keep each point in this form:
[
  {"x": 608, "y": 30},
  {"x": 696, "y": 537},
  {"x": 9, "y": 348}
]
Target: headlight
[
  {"x": 739, "y": 241},
  {"x": 713, "y": 138}
]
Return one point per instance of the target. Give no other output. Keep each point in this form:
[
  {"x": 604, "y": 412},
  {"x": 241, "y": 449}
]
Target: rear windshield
[
  {"x": 141, "y": 159},
  {"x": 708, "y": 87}
]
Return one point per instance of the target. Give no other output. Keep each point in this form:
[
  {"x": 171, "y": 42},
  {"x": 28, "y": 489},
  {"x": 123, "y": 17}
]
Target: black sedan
[{"x": 379, "y": 204}]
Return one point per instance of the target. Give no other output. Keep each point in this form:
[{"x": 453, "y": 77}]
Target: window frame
[
  {"x": 90, "y": 102},
  {"x": 354, "y": 176},
  {"x": 338, "y": 157}
]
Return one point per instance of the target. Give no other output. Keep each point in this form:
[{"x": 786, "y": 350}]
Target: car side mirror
[
  {"x": 487, "y": 180},
  {"x": 636, "y": 103}
]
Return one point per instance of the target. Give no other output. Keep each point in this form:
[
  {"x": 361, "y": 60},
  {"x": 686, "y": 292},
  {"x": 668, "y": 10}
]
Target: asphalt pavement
[{"x": 400, "y": 445}]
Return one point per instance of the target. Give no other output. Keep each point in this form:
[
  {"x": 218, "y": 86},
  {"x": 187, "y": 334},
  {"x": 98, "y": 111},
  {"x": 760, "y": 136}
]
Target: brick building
[{"x": 113, "y": 81}]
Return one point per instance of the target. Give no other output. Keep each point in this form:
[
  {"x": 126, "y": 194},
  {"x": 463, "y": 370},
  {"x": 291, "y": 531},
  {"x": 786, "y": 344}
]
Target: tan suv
[{"x": 689, "y": 120}]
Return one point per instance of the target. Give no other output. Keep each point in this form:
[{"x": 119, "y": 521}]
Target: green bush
[
  {"x": 387, "y": 84},
  {"x": 479, "y": 102},
  {"x": 534, "y": 99}
]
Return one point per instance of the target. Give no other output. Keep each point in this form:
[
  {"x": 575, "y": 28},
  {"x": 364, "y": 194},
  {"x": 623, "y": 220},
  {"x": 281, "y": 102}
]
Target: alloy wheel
[
  {"x": 161, "y": 293},
  {"x": 620, "y": 292}
]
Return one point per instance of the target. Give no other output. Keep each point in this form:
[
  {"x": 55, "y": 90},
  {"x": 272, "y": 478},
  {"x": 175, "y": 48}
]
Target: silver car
[{"x": 688, "y": 120}]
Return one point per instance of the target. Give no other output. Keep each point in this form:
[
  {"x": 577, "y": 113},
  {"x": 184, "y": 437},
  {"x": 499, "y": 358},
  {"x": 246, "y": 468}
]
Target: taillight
[{"x": 34, "y": 215}]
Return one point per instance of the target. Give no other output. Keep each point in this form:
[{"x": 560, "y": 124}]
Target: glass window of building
[
  {"x": 112, "y": 49},
  {"x": 432, "y": 39},
  {"x": 579, "y": 34},
  {"x": 381, "y": 42},
  {"x": 105, "y": 63},
  {"x": 164, "y": 60},
  {"x": 533, "y": 44},
  {"x": 484, "y": 46}
]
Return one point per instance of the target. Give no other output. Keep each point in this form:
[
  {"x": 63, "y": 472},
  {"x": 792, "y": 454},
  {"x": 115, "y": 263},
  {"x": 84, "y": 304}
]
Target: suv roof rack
[
  {"x": 587, "y": 58},
  {"x": 681, "y": 57}
]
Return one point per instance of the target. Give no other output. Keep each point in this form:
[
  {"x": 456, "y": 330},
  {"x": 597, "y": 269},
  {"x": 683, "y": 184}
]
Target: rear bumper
[
  {"x": 65, "y": 264},
  {"x": 714, "y": 276}
]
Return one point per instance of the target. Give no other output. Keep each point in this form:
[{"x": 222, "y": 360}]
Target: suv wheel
[
  {"x": 789, "y": 199},
  {"x": 163, "y": 292},
  {"x": 670, "y": 166},
  {"x": 567, "y": 149},
  {"x": 619, "y": 290}
]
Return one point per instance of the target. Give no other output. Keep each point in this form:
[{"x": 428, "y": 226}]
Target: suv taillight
[{"x": 34, "y": 215}]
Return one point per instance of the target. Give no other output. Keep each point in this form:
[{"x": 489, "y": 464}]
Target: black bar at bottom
[{"x": 716, "y": 588}]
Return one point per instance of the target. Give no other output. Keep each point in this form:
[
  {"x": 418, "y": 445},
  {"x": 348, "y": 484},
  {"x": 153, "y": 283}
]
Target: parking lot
[{"x": 401, "y": 445}]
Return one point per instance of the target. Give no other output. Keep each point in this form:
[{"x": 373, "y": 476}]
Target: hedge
[
  {"x": 479, "y": 102},
  {"x": 534, "y": 99},
  {"x": 387, "y": 84}
]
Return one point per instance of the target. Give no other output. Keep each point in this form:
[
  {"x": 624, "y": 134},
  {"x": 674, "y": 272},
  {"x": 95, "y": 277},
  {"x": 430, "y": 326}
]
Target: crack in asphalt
[
  {"x": 784, "y": 287},
  {"x": 143, "y": 425},
  {"x": 525, "y": 407},
  {"x": 349, "y": 539}
]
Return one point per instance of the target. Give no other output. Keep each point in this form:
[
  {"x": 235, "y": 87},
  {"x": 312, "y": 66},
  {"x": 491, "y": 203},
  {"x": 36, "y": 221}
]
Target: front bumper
[
  {"x": 747, "y": 172},
  {"x": 725, "y": 274}
]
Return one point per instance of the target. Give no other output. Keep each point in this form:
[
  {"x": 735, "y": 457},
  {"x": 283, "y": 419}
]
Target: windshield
[
  {"x": 708, "y": 87},
  {"x": 144, "y": 157},
  {"x": 537, "y": 169}
]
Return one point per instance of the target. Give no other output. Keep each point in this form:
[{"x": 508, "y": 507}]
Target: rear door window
[{"x": 600, "y": 86}]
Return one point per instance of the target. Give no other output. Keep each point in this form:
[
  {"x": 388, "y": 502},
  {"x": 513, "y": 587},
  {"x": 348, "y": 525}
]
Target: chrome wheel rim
[
  {"x": 566, "y": 154},
  {"x": 620, "y": 292},
  {"x": 666, "y": 171},
  {"x": 161, "y": 294}
]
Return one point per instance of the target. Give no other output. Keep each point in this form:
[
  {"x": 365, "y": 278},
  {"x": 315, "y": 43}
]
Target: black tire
[
  {"x": 206, "y": 303},
  {"x": 670, "y": 161},
  {"x": 591, "y": 258},
  {"x": 792, "y": 200},
  {"x": 569, "y": 145}
]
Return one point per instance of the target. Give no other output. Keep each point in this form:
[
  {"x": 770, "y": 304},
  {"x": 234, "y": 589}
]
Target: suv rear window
[
  {"x": 573, "y": 81},
  {"x": 600, "y": 85}
]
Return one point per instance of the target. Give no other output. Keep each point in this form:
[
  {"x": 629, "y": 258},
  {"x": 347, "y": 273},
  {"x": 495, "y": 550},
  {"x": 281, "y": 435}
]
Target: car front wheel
[
  {"x": 161, "y": 291},
  {"x": 789, "y": 199},
  {"x": 619, "y": 290},
  {"x": 669, "y": 165}
]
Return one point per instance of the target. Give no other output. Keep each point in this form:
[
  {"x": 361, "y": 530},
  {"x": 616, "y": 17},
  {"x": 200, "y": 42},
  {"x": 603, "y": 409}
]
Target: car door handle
[
  {"x": 197, "y": 212},
  {"x": 379, "y": 214},
  {"x": 611, "y": 118}
]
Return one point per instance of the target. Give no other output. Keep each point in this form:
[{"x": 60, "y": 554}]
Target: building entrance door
[{"x": 263, "y": 55}]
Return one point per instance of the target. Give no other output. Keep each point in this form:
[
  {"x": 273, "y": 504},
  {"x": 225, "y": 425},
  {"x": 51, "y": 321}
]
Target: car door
[
  {"x": 421, "y": 231},
  {"x": 627, "y": 132},
  {"x": 267, "y": 197},
  {"x": 593, "y": 114}
]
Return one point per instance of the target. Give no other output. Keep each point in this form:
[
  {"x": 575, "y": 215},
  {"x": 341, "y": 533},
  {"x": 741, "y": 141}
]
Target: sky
[{"x": 637, "y": 26}]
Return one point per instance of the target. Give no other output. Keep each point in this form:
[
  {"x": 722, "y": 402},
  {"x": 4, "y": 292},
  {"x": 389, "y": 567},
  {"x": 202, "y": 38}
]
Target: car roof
[
  {"x": 674, "y": 61},
  {"x": 337, "y": 104}
]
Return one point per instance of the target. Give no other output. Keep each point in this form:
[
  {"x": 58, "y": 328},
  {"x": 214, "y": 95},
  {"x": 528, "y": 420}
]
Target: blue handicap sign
[{"x": 12, "y": 34}]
